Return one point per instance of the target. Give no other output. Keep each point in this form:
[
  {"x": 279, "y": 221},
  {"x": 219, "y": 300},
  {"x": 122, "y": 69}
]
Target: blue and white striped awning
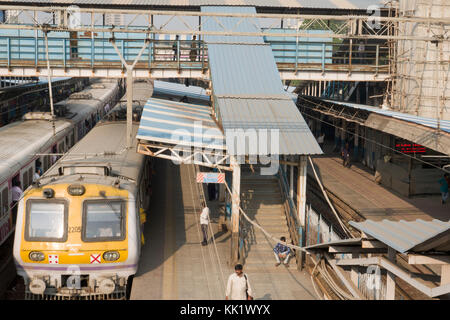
[{"x": 180, "y": 124}]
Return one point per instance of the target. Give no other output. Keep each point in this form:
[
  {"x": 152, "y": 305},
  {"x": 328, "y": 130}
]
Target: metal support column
[
  {"x": 301, "y": 189},
  {"x": 301, "y": 201},
  {"x": 49, "y": 76},
  {"x": 343, "y": 132},
  {"x": 235, "y": 203},
  {"x": 130, "y": 69},
  {"x": 291, "y": 181},
  {"x": 129, "y": 105}
]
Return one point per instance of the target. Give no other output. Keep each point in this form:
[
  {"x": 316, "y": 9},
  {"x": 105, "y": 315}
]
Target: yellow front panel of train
[{"x": 78, "y": 243}]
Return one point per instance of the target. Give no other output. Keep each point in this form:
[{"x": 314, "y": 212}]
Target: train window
[
  {"x": 25, "y": 180},
  {"x": 72, "y": 139},
  {"x": 46, "y": 163},
  {"x": 30, "y": 175},
  {"x": 103, "y": 221},
  {"x": 46, "y": 220}
]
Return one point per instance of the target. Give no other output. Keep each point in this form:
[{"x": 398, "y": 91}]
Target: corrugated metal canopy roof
[
  {"x": 325, "y": 4},
  {"x": 181, "y": 124},
  {"x": 409, "y": 236},
  {"x": 248, "y": 92},
  {"x": 259, "y": 115}
]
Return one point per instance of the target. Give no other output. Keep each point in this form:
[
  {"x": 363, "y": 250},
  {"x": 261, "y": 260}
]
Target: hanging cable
[
  {"x": 344, "y": 227},
  {"x": 202, "y": 196}
]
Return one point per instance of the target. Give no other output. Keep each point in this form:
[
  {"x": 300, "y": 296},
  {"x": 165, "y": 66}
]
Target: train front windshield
[
  {"x": 103, "y": 221},
  {"x": 46, "y": 221}
]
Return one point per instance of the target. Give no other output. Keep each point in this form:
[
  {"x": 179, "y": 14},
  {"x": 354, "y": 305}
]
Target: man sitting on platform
[{"x": 282, "y": 251}]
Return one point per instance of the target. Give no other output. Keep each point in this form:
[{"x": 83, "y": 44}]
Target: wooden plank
[
  {"x": 344, "y": 278},
  {"x": 445, "y": 274},
  {"x": 348, "y": 249},
  {"x": 373, "y": 244},
  {"x": 428, "y": 259},
  {"x": 357, "y": 262}
]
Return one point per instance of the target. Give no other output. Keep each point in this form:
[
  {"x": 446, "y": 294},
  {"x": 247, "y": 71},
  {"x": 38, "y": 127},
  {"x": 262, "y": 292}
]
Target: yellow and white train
[
  {"x": 23, "y": 142},
  {"x": 79, "y": 231}
]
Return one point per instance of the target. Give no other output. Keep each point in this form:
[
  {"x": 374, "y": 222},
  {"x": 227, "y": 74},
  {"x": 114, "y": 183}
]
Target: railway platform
[
  {"x": 357, "y": 188},
  {"x": 174, "y": 264}
]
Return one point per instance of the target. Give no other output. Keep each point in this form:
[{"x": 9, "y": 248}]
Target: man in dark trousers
[
  {"x": 175, "y": 48},
  {"x": 204, "y": 222},
  {"x": 346, "y": 155}
]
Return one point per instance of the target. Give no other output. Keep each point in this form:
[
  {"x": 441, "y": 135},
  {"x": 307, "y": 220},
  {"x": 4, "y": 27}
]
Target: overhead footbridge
[{"x": 320, "y": 44}]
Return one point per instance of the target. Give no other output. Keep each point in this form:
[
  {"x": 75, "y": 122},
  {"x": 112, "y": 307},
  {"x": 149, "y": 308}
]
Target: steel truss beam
[
  {"x": 209, "y": 158},
  {"x": 346, "y": 27}
]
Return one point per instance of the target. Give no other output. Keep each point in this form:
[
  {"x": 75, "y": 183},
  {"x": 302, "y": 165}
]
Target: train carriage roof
[
  {"x": 105, "y": 145},
  {"x": 21, "y": 140}
]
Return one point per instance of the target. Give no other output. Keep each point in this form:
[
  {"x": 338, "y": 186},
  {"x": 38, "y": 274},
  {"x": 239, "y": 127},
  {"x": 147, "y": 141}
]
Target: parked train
[
  {"x": 79, "y": 230},
  {"x": 23, "y": 142}
]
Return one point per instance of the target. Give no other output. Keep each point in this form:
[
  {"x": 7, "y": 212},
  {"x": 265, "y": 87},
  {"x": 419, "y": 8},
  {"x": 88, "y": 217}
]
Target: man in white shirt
[
  {"x": 238, "y": 286},
  {"x": 36, "y": 175},
  {"x": 204, "y": 221}
]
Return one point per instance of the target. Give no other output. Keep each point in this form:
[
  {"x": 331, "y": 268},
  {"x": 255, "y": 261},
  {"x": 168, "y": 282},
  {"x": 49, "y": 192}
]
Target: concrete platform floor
[{"x": 174, "y": 265}]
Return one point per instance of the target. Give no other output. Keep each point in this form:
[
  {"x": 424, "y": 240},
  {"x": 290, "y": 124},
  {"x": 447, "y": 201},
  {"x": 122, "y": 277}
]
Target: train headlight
[
  {"x": 36, "y": 256},
  {"x": 37, "y": 286},
  {"x": 111, "y": 256},
  {"x": 76, "y": 190}
]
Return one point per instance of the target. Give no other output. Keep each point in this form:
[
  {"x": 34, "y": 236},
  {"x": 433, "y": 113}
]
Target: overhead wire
[
  {"x": 202, "y": 195},
  {"x": 196, "y": 217},
  {"x": 344, "y": 227}
]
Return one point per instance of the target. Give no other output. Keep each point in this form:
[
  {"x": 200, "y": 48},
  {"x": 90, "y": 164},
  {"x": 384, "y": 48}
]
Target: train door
[
  {"x": 4, "y": 212},
  {"x": 72, "y": 139},
  {"x": 27, "y": 176},
  {"x": 67, "y": 142},
  {"x": 47, "y": 162},
  {"x": 54, "y": 157},
  {"x": 61, "y": 147}
]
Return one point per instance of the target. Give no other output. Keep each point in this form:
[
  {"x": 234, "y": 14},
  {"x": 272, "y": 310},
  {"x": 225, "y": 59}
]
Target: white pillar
[
  {"x": 235, "y": 203},
  {"x": 291, "y": 180},
  {"x": 301, "y": 190},
  {"x": 390, "y": 278}
]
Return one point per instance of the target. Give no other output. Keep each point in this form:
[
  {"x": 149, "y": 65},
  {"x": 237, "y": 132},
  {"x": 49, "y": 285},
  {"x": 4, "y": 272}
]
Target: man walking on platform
[
  {"x": 346, "y": 155},
  {"x": 204, "y": 222},
  {"x": 238, "y": 286}
]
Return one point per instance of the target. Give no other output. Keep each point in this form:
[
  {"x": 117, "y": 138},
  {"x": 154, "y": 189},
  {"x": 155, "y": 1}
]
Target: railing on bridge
[{"x": 26, "y": 48}]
